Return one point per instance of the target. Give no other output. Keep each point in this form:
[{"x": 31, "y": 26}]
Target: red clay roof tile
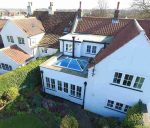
[
  {"x": 32, "y": 26},
  {"x": 16, "y": 54}
]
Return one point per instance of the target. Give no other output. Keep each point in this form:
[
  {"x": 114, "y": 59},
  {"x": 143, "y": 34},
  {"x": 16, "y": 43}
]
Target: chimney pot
[
  {"x": 80, "y": 11},
  {"x": 118, "y": 5},
  {"x": 116, "y": 14}
]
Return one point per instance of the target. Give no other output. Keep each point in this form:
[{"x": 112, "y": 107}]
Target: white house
[
  {"x": 12, "y": 57},
  {"x": 2, "y": 23},
  {"x": 102, "y": 65},
  {"x": 26, "y": 33}
]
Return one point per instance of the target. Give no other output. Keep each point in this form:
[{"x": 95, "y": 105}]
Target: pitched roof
[
  {"x": 55, "y": 24},
  {"x": 50, "y": 40},
  {"x": 32, "y": 26},
  {"x": 2, "y": 23},
  {"x": 100, "y": 26},
  {"x": 16, "y": 54},
  {"x": 129, "y": 31},
  {"x": 123, "y": 31}
]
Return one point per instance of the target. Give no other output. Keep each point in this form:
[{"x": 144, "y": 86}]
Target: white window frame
[
  {"x": 68, "y": 47},
  {"x": 5, "y": 67},
  {"x": 66, "y": 85},
  {"x": 128, "y": 80},
  {"x": 110, "y": 103},
  {"x": 21, "y": 40},
  {"x": 94, "y": 50},
  {"x": 10, "y": 39},
  {"x": 79, "y": 91},
  {"x": 73, "y": 90},
  {"x": 117, "y": 77},
  {"x": 139, "y": 83},
  {"x": 88, "y": 49},
  {"x": 119, "y": 106},
  {"x": 59, "y": 83}
]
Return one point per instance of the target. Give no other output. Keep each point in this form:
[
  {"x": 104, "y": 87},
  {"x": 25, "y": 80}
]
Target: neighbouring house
[
  {"x": 56, "y": 24},
  {"x": 13, "y": 57},
  {"x": 2, "y": 23},
  {"x": 103, "y": 65},
  {"x": 26, "y": 33}
]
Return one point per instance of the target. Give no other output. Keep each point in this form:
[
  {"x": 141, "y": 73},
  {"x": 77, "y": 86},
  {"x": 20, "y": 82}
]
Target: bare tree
[
  {"x": 101, "y": 10},
  {"x": 143, "y": 8},
  {"x": 102, "y": 6}
]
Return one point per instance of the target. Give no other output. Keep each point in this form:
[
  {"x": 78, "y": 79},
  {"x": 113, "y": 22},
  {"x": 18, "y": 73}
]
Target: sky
[{"x": 63, "y": 4}]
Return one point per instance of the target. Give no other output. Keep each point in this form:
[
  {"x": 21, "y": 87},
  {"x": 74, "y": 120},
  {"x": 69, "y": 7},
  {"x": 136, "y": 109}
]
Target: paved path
[{"x": 82, "y": 116}]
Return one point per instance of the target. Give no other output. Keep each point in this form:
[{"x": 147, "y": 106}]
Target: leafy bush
[
  {"x": 140, "y": 126},
  {"x": 69, "y": 122},
  {"x": 134, "y": 116},
  {"x": 2, "y": 103},
  {"x": 106, "y": 122},
  {"x": 10, "y": 94}
]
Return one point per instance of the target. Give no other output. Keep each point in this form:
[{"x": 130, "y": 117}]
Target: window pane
[
  {"x": 53, "y": 83},
  {"x": 117, "y": 77},
  {"x": 79, "y": 89},
  {"x": 72, "y": 90},
  {"x": 66, "y": 87},
  {"x": 94, "y": 49},
  {"x": 88, "y": 49},
  {"x": 118, "y": 106},
  {"x": 128, "y": 80},
  {"x": 110, "y": 103},
  {"x": 139, "y": 82},
  {"x": 59, "y": 85}
]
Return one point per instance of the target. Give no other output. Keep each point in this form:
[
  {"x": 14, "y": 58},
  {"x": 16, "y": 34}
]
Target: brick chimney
[
  {"x": 116, "y": 14},
  {"x": 29, "y": 9},
  {"x": 50, "y": 9},
  {"x": 80, "y": 11}
]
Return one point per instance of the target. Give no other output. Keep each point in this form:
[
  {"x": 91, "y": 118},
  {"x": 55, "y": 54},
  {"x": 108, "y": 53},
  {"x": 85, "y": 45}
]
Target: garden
[{"x": 23, "y": 105}]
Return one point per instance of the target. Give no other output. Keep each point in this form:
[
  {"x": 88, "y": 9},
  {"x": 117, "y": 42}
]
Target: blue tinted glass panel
[
  {"x": 64, "y": 62},
  {"x": 74, "y": 65}
]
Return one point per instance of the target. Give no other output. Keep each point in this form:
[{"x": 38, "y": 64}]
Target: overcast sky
[{"x": 62, "y": 4}]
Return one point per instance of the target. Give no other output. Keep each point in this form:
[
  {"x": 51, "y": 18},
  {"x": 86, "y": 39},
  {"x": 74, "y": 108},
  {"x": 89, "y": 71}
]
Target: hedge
[{"x": 25, "y": 76}]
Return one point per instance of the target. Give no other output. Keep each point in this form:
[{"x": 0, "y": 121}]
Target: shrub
[
  {"x": 101, "y": 123},
  {"x": 10, "y": 94},
  {"x": 113, "y": 123},
  {"x": 69, "y": 122},
  {"x": 134, "y": 116},
  {"x": 2, "y": 103}
]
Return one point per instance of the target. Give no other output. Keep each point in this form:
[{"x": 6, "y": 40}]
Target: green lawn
[{"x": 22, "y": 121}]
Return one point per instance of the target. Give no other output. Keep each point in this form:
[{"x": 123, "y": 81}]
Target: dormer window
[
  {"x": 68, "y": 47},
  {"x": 91, "y": 49},
  {"x": 94, "y": 49},
  {"x": 88, "y": 49}
]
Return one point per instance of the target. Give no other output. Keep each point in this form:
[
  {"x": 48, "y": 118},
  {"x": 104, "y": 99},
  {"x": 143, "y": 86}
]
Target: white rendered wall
[
  {"x": 6, "y": 60},
  {"x": 34, "y": 40},
  {"x": 84, "y": 49},
  {"x": 50, "y": 51},
  {"x": 80, "y": 48},
  {"x": 71, "y": 79},
  {"x": 132, "y": 59},
  {"x": 11, "y": 29}
]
